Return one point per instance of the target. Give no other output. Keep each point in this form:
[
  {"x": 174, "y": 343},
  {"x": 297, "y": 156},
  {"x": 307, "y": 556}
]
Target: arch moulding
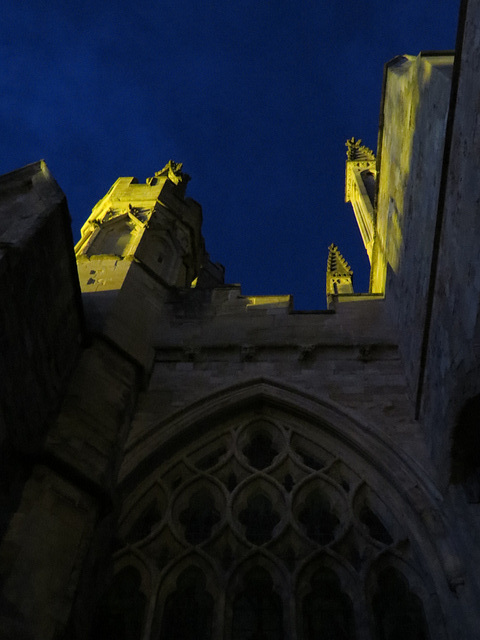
[{"x": 402, "y": 485}]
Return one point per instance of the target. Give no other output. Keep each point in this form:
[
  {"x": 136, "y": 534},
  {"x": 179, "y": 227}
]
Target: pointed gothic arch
[
  {"x": 330, "y": 599},
  {"x": 286, "y": 476},
  {"x": 122, "y": 609},
  {"x": 397, "y": 600},
  {"x": 257, "y": 598},
  {"x": 185, "y": 606}
]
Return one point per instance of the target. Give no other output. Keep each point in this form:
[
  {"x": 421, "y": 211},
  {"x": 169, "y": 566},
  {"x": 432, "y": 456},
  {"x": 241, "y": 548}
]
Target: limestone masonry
[{"x": 181, "y": 461}]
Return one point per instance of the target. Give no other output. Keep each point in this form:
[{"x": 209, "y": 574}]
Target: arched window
[
  {"x": 259, "y": 519},
  {"x": 120, "y": 612},
  {"x": 317, "y": 518},
  {"x": 200, "y": 516},
  {"x": 327, "y": 611},
  {"x": 266, "y": 527},
  {"x": 188, "y": 611},
  {"x": 397, "y": 610},
  {"x": 257, "y": 610}
]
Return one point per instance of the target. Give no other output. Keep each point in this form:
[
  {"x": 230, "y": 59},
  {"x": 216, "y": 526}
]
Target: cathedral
[{"x": 180, "y": 461}]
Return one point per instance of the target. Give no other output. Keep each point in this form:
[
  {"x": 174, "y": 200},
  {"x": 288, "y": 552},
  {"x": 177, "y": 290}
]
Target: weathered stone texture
[
  {"x": 40, "y": 327},
  {"x": 41, "y": 556},
  {"x": 209, "y": 432},
  {"x": 140, "y": 241},
  {"x": 415, "y": 108},
  {"x": 93, "y": 418},
  {"x": 349, "y": 358},
  {"x": 452, "y": 373}
]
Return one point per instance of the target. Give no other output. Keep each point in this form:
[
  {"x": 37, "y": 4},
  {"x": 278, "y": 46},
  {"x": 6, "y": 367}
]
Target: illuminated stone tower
[{"x": 139, "y": 239}]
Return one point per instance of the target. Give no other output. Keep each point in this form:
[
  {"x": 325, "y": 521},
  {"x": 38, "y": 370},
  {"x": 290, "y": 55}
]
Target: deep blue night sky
[{"x": 255, "y": 97}]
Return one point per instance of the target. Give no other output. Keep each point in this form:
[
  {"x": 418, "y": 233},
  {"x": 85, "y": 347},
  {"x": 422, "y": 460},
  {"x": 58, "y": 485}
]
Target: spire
[
  {"x": 358, "y": 151},
  {"x": 339, "y": 273}
]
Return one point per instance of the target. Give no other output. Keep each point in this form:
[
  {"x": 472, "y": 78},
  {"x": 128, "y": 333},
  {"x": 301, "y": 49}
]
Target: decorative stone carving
[
  {"x": 173, "y": 171},
  {"x": 336, "y": 264},
  {"x": 139, "y": 213},
  {"x": 264, "y": 504},
  {"x": 339, "y": 273},
  {"x": 360, "y": 186},
  {"x": 357, "y": 151}
]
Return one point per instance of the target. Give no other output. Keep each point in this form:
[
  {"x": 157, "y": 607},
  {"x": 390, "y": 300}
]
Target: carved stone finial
[
  {"x": 352, "y": 148},
  {"x": 357, "y": 151},
  {"x": 339, "y": 274},
  {"x": 336, "y": 263},
  {"x": 173, "y": 171}
]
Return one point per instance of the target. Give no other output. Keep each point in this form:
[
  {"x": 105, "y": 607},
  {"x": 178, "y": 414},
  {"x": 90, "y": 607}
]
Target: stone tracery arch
[
  {"x": 260, "y": 567},
  {"x": 257, "y": 610},
  {"x": 187, "y": 611},
  {"x": 265, "y": 449},
  {"x": 327, "y": 611},
  {"x": 397, "y": 598},
  {"x": 121, "y": 611}
]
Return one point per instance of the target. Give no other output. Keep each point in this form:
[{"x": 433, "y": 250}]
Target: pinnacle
[
  {"x": 358, "y": 151},
  {"x": 336, "y": 263}
]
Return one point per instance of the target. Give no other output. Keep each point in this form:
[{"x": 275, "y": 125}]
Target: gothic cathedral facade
[{"x": 182, "y": 461}]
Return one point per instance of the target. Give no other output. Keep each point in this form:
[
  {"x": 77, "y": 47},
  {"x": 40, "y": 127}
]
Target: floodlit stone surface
[
  {"x": 182, "y": 460},
  {"x": 415, "y": 109}
]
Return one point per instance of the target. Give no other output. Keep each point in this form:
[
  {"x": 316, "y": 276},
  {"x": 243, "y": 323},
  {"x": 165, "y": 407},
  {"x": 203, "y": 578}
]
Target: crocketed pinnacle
[
  {"x": 358, "y": 151},
  {"x": 336, "y": 263}
]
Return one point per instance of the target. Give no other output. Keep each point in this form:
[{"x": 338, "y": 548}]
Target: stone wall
[
  {"x": 452, "y": 372},
  {"x": 41, "y": 330},
  {"x": 40, "y": 319},
  {"x": 415, "y": 108},
  {"x": 223, "y": 358},
  {"x": 40, "y": 327},
  {"x": 209, "y": 341}
]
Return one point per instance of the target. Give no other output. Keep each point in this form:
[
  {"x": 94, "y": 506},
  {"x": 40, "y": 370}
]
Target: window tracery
[
  {"x": 200, "y": 516},
  {"x": 327, "y": 610},
  {"x": 261, "y": 499},
  {"x": 120, "y": 612},
  {"x": 257, "y": 610},
  {"x": 398, "y": 611}
]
